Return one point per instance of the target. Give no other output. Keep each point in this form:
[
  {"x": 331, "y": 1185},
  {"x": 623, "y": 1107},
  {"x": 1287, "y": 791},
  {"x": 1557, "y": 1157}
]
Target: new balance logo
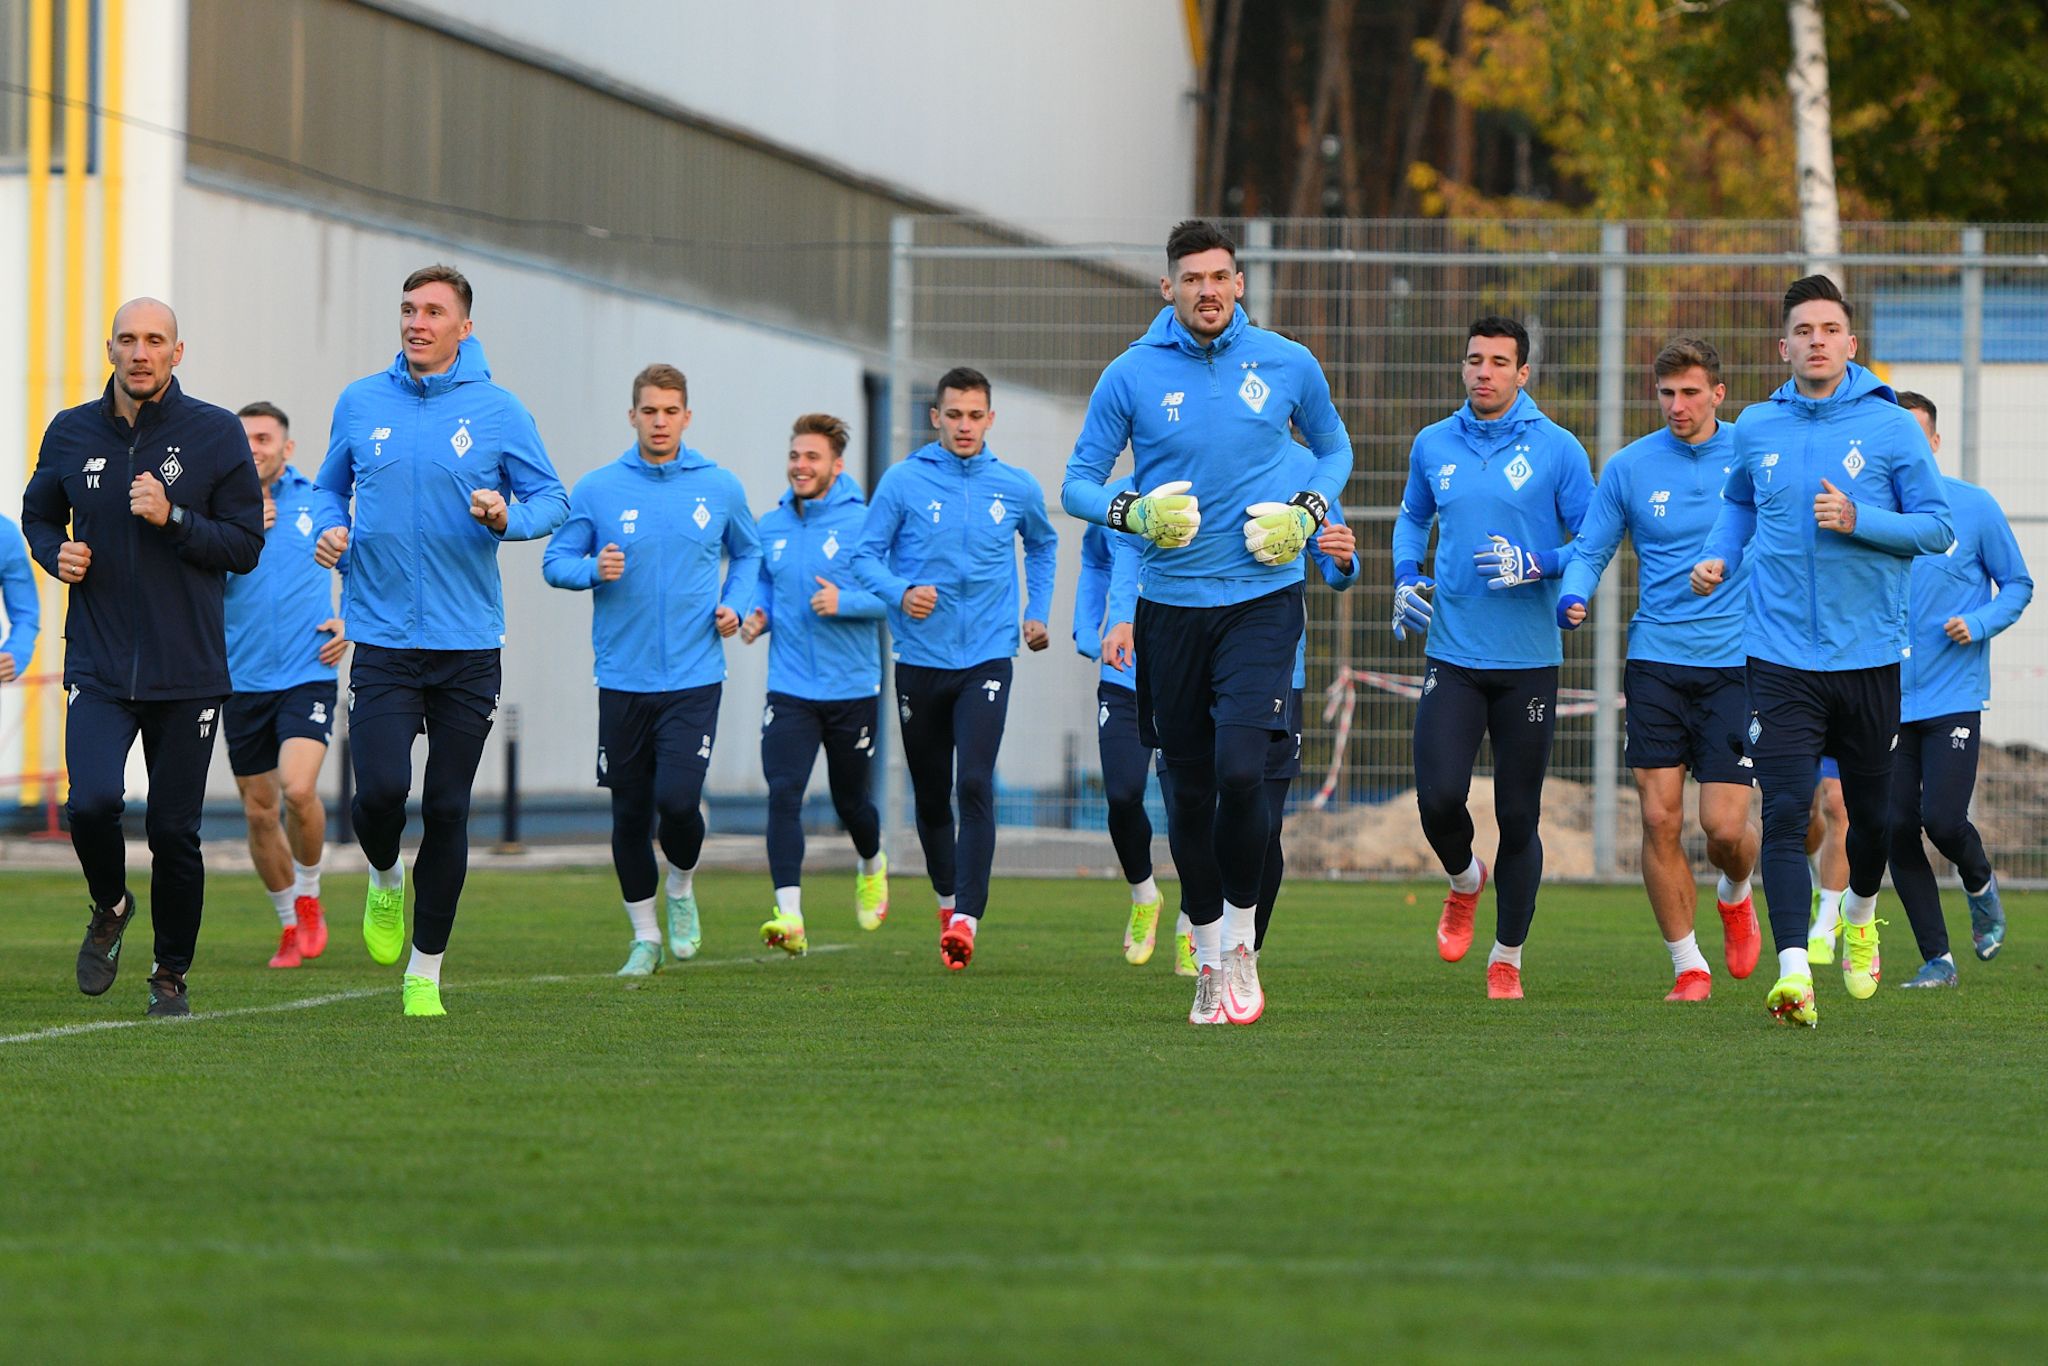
[
  {"x": 1443, "y": 475},
  {"x": 704, "y": 750},
  {"x": 206, "y": 722},
  {"x": 1536, "y": 706},
  {"x": 865, "y": 743},
  {"x": 767, "y": 717},
  {"x": 933, "y": 508},
  {"x": 1659, "y": 501},
  {"x": 381, "y": 434},
  {"x": 319, "y": 716},
  {"x": 1172, "y": 404},
  {"x": 92, "y": 471},
  {"x": 1959, "y": 738},
  {"x": 992, "y": 686}
]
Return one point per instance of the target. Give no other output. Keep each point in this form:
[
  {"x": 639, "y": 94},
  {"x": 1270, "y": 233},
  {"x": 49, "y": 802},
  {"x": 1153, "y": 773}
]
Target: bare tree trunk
[
  {"x": 1223, "y": 62},
  {"x": 1820, "y": 209}
]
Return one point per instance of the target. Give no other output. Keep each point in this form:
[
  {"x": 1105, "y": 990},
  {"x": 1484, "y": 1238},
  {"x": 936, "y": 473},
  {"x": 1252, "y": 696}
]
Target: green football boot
[
  {"x": 684, "y": 931},
  {"x": 384, "y": 922},
  {"x": 1791, "y": 1001},
  {"x": 871, "y": 895},
  {"x": 422, "y": 996}
]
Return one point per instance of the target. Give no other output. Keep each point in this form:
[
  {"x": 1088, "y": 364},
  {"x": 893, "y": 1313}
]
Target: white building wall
[
  {"x": 303, "y": 304},
  {"x": 1071, "y": 110}
]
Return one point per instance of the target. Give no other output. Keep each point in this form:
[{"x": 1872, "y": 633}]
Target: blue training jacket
[
  {"x": 1940, "y": 677},
  {"x": 938, "y": 519},
  {"x": 410, "y": 452},
  {"x": 275, "y": 610},
  {"x": 820, "y": 659},
  {"x": 1121, "y": 590},
  {"x": 18, "y": 596},
  {"x": 652, "y": 628},
  {"x": 1665, "y": 494},
  {"x": 1218, "y": 416},
  {"x": 1519, "y": 475},
  {"x": 1819, "y": 600}
]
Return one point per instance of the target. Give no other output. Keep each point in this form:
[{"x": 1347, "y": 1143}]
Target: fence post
[
  {"x": 1973, "y": 353},
  {"x": 902, "y": 237},
  {"x": 1607, "y": 623},
  {"x": 509, "y": 843},
  {"x": 1258, "y": 271}
]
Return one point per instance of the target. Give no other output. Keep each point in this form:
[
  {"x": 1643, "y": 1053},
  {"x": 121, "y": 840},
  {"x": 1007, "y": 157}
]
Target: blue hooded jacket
[
  {"x": 652, "y": 628},
  {"x": 275, "y": 610},
  {"x": 1218, "y": 416},
  {"x": 938, "y": 519},
  {"x": 1665, "y": 493},
  {"x": 1819, "y": 600},
  {"x": 1519, "y": 475},
  {"x": 410, "y": 452},
  {"x": 18, "y": 595},
  {"x": 820, "y": 659},
  {"x": 1940, "y": 677},
  {"x": 1117, "y": 599}
]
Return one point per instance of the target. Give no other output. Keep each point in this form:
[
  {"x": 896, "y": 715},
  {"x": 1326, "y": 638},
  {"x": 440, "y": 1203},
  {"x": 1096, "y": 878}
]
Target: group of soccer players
[{"x": 1775, "y": 559}]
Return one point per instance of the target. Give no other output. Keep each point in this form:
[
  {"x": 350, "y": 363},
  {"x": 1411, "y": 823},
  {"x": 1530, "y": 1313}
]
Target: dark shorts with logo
[
  {"x": 638, "y": 731},
  {"x": 1685, "y": 716},
  {"x": 1204, "y": 667},
  {"x": 258, "y": 723},
  {"x": 455, "y": 688}
]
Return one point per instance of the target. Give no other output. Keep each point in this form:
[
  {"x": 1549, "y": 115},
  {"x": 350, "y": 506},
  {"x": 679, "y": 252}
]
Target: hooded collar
[
  {"x": 845, "y": 489},
  {"x": 1722, "y": 433},
  {"x": 933, "y": 453},
  {"x": 687, "y": 458},
  {"x": 1857, "y": 382},
  {"x": 1488, "y": 435},
  {"x": 149, "y": 414},
  {"x": 1166, "y": 331},
  {"x": 470, "y": 368}
]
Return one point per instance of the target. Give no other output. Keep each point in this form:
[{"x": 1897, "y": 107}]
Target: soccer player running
[
  {"x": 283, "y": 644},
  {"x": 939, "y": 546},
  {"x": 1126, "y": 758},
  {"x": 645, "y": 535},
  {"x": 1207, "y": 403},
  {"x": 824, "y": 674},
  {"x": 443, "y": 464},
  {"x": 1955, "y": 602},
  {"x": 1687, "y": 705},
  {"x": 1833, "y": 492},
  {"x": 1506, "y": 487},
  {"x": 143, "y": 501}
]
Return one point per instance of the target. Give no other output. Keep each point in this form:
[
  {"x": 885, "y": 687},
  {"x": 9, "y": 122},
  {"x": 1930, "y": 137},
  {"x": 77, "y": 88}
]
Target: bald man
[{"x": 143, "y": 500}]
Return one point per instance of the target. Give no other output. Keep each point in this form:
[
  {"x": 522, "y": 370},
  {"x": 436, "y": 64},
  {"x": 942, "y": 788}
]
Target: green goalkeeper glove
[
  {"x": 1277, "y": 531},
  {"x": 1168, "y": 516}
]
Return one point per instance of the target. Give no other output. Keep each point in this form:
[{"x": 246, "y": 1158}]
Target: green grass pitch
[{"x": 861, "y": 1157}]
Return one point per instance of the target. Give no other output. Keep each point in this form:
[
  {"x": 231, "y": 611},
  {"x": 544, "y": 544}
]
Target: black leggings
[
  {"x": 665, "y": 801},
  {"x": 1126, "y": 765},
  {"x": 1516, "y": 708},
  {"x": 791, "y": 736},
  {"x": 1934, "y": 771},
  {"x": 1219, "y": 823},
  {"x": 382, "y": 751},
  {"x": 952, "y": 727}
]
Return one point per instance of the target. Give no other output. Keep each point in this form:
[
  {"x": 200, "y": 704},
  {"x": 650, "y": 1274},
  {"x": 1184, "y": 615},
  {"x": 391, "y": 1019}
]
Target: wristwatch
[{"x": 177, "y": 518}]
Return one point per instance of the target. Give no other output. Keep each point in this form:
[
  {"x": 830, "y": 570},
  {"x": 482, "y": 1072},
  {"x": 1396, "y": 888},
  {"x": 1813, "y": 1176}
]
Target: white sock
[
  {"x": 1813, "y": 866},
  {"x": 1948, "y": 958},
  {"x": 1686, "y": 955},
  {"x": 388, "y": 879},
  {"x": 1503, "y": 954},
  {"x": 958, "y": 917},
  {"x": 1209, "y": 945},
  {"x": 1981, "y": 890},
  {"x": 948, "y": 902},
  {"x": 789, "y": 901},
  {"x": 680, "y": 880},
  {"x": 1240, "y": 926},
  {"x": 1466, "y": 882},
  {"x": 306, "y": 879},
  {"x": 1830, "y": 912},
  {"x": 870, "y": 866},
  {"x": 427, "y": 965},
  {"x": 1148, "y": 890},
  {"x": 641, "y": 913},
  {"x": 1792, "y": 963},
  {"x": 283, "y": 902},
  {"x": 1731, "y": 893},
  {"x": 1183, "y": 925},
  {"x": 1859, "y": 910}
]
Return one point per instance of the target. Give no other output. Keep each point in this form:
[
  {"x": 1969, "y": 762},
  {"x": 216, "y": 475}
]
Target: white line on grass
[{"x": 364, "y": 993}]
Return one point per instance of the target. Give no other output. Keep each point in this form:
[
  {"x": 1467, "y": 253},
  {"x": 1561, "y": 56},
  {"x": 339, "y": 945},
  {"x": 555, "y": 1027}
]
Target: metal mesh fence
[{"x": 1952, "y": 312}]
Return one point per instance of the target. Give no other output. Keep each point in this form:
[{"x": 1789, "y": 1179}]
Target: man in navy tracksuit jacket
[
  {"x": 1688, "y": 704},
  {"x": 1832, "y": 494},
  {"x": 1944, "y": 687},
  {"x": 442, "y": 465},
  {"x": 824, "y": 674},
  {"x": 143, "y": 500},
  {"x": 284, "y": 641},
  {"x": 1208, "y": 404},
  {"x": 645, "y": 536},
  {"x": 1506, "y": 488},
  {"x": 939, "y": 546}
]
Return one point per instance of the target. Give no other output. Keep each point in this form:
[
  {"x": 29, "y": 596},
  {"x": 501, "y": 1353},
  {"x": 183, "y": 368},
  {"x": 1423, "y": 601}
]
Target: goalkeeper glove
[
  {"x": 1504, "y": 565},
  {"x": 1412, "y": 610},
  {"x": 1277, "y": 531},
  {"x": 1168, "y": 516}
]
